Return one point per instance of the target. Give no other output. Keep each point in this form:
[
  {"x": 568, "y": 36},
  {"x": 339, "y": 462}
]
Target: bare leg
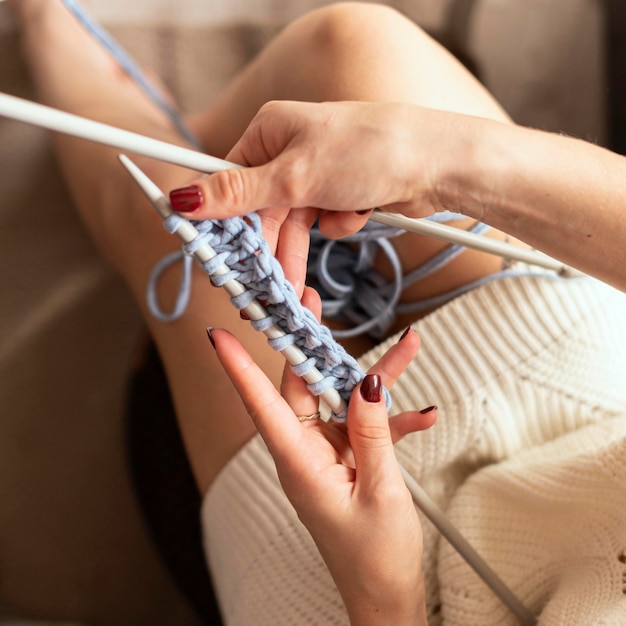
[
  {"x": 349, "y": 51},
  {"x": 72, "y": 72}
]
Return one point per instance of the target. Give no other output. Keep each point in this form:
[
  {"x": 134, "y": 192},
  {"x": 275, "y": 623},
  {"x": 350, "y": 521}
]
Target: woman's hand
[
  {"x": 345, "y": 484},
  {"x": 337, "y": 156},
  {"x": 338, "y": 160}
]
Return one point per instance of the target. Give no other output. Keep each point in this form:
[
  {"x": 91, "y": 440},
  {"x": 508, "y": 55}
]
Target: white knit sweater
[{"x": 528, "y": 458}]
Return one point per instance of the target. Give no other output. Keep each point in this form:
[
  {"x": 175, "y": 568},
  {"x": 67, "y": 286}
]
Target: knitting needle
[
  {"x": 68, "y": 123},
  {"x": 187, "y": 233},
  {"x": 471, "y": 240},
  {"x": 77, "y": 126}
]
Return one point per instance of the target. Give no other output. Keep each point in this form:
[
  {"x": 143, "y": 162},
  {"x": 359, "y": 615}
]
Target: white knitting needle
[
  {"x": 465, "y": 549},
  {"x": 77, "y": 126},
  {"x": 187, "y": 233},
  {"x": 472, "y": 240},
  {"x": 70, "y": 124}
]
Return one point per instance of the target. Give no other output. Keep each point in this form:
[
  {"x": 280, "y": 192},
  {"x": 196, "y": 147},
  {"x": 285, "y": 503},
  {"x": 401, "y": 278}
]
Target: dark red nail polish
[
  {"x": 404, "y": 334},
  {"x": 371, "y": 388},
  {"x": 428, "y": 409},
  {"x": 209, "y": 332},
  {"x": 186, "y": 199}
]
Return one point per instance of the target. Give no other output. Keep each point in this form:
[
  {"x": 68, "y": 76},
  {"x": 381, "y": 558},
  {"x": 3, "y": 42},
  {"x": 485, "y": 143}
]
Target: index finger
[
  {"x": 292, "y": 249},
  {"x": 269, "y": 411}
]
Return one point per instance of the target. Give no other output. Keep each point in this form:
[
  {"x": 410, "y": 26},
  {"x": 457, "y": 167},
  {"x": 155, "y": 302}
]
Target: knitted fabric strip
[{"x": 238, "y": 244}]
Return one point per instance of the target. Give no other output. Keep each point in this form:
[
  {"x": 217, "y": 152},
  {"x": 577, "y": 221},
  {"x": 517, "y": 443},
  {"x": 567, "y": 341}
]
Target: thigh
[{"x": 346, "y": 51}]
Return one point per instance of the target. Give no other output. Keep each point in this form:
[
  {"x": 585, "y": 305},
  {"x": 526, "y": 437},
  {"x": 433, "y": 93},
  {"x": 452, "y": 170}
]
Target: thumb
[
  {"x": 235, "y": 191},
  {"x": 369, "y": 433}
]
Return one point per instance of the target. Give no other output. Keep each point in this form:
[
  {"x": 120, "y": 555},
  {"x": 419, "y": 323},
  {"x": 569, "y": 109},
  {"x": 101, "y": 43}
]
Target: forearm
[{"x": 563, "y": 196}]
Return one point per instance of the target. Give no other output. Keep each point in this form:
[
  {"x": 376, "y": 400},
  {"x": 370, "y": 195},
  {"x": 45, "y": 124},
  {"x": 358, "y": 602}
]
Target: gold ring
[{"x": 306, "y": 418}]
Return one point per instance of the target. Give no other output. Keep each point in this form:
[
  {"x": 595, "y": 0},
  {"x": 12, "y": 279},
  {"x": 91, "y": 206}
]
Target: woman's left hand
[{"x": 345, "y": 483}]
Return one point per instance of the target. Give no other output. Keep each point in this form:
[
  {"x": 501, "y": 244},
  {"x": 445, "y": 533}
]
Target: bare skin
[{"x": 424, "y": 74}]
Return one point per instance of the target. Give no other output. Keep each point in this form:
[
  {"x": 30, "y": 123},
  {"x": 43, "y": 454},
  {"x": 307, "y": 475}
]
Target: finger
[
  {"x": 292, "y": 250},
  {"x": 270, "y": 413},
  {"x": 397, "y": 358},
  {"x": 272, "y": 221},
  {"x": 336, "y": 225},
  {"x": 296, "y": 393},
  {"x": 369, "y": 433},
  {"x": 293, "y": 387},
  {"x": 236, "y": 191},
  {"x": 312, "y": 301},
  {"x": 411, "y": 421}
]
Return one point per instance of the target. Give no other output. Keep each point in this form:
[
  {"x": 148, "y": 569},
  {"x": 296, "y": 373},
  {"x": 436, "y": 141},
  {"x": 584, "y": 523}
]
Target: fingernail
[
  {"x": 186, "y": 199},
  {"x": 404, "y": 334},
  {"x": 428, "y": 409},
  {"x": 209, "y": 332},
  {"x": 371, "y": 388}
]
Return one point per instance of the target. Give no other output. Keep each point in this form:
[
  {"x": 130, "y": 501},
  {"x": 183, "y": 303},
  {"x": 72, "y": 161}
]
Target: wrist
[
  {"x": 457, "y": 172},
  {"x": 478, "y": 160},
  {"x": 390, "y": 606}
]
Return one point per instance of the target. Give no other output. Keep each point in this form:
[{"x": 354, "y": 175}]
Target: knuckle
[
  {"x": 291, "y": 185},
  {"x": 229, "y": 187},
  {"x": 390, "y": 495},
  {"x": 270, "y": 107},
  {"x": 372, "y": 436}
]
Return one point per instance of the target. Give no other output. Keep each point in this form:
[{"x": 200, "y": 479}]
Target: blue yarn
[
  {"x": 126, "y": 62},
  {"x": 239, "y": 244},
  {"x": 184, "y": 293},
  {"x": 350, "y": 287}
]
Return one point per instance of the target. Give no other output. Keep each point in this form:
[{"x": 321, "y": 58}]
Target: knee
[{"x": 346, "y": 27}]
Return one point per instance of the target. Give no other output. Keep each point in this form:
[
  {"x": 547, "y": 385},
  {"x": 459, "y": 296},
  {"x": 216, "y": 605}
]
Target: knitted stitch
[{"x": 240, "y": 246}]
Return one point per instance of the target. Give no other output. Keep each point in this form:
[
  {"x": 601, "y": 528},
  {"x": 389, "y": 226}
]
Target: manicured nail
[
  {"x": 209, "y": 332},
  {"x": 428, "y": 409},
  {"x": 371, "y": 388},
  {"x": 404, "y": 334},
  {"x": 186, "y": 199}
]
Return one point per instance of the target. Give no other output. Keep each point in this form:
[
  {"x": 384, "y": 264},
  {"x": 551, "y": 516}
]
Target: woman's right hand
[
  {"x": 337, "y": 160},
  {"x": 341, "y": 157}
]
